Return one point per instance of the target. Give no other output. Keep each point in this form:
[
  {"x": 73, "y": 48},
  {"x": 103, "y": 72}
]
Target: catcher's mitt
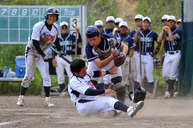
[{"x": 119, "y": 59}]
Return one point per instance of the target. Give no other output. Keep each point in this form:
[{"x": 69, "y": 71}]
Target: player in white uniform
[
  {"x": 86, "y": 97},
  {"x": 172, "y": 53},
  {"x": 67, "y": 42},
  {"x": 138, "y": 22},
  {"x": 147, "y": 39},
  {"x": 44, "y": 34}
]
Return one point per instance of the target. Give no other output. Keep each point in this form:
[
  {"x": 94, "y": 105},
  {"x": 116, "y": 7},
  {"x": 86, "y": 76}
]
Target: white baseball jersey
[
  {"x": 46, "y": 38},
  {"x": 43, "y": 35},
  {"x": 88, "y": 105}
]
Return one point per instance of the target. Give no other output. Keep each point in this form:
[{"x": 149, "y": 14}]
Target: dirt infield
[{"x": 157, "y": 113}]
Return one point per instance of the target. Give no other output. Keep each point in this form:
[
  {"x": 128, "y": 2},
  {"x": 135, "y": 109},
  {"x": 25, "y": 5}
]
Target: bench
[{"x": 10, "y": 79}]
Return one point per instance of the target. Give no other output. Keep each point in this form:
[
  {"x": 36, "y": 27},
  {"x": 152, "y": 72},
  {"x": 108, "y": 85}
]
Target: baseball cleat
[
  {"x": 167, "y": 94},
  {"x": 47, "y": 102},
  {"x": 20, "y": 101},
  {"x": 132, "y": 110}
]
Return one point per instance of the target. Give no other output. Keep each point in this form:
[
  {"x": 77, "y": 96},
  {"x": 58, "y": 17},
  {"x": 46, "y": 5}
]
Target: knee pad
[{"x": 26, "y": 81}]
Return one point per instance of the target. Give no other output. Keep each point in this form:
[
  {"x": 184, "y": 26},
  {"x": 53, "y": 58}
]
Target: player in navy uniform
[
  {"x": 100, "y": 44},
  {"x": 125, "y": 38},
  {"x": 87, "y": 98},
  {"x": 44, "y": 34},
  {"x": 164, "y": 20},
  {"x": 110, "y": 22},
  {"x": 67, "y": 42},
  {"x": 147, "y": 38},
  {"x": 179, "y": 24},
  {"x": 138, "y": 21},
  {"x": 172, "y": 53}
]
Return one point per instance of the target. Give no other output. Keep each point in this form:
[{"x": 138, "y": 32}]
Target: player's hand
[
  {"x": 45, "y": 58},
  {"x": 115, "y": 52},
  {"x": 113, "y": 70},
  {"x": 60, "y": 53},
  {"x": 128, "y": 59},
  {"x": 138, "y": 30},
  {"x": 110, "y": 91},
  {"x": 166, "y": 28},
  {"x": 77, "y": 29},
  {"x": 54, "y": 63}
]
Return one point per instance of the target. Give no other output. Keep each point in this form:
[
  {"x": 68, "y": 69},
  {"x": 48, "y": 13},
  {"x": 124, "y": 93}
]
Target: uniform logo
[
  {"x": 45, "y": 37},
  {"x": 91, "y": 84}
]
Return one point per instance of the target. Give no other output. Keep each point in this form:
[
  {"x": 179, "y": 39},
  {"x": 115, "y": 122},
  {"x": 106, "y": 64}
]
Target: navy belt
[
  {"x": 84, "y": 101},
  {"x": 173, "y": 52}
]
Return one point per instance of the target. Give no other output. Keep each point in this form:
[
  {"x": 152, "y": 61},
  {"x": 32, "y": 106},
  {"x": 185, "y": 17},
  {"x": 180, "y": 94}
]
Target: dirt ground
[{"x": 156, "y": 113}]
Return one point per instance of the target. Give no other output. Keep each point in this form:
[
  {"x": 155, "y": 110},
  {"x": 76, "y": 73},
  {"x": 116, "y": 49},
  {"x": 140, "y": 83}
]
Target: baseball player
[
  {"x": 147, "y": 38},
  {"x": 44, "y": 34},
  {"x": 67, "y": 41},
  {"x": 164, "y": 19},
  {"x": 99, "y": 55},
  {"x": 102, "y": 82},
  {"x": 117, "y": 21},
  {"x": 138, "y": 22},
  {"x": 110, "y": 22},
  {"x": 179, "y": 24},
  {"x": 125, "y": 38},
  {"x": 172, "y": 53},
  {"x": 87, "y": 98}
]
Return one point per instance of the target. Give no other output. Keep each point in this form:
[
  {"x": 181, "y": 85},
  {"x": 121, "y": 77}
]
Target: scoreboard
[{"x": 16, "y": 22}]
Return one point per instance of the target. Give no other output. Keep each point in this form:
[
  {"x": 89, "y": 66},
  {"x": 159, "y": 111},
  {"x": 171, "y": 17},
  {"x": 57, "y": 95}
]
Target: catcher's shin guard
[{"x": 119, "y": 88}]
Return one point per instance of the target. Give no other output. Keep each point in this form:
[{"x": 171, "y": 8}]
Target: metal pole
[{"x": 84, "y": 25}]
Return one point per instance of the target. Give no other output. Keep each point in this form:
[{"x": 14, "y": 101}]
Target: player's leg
[
  {"x": 30, "y": 63},
  {"x": 173, "y": 72},
  {"x": 165, "y": 72},
  {"x": 44, "y": 70},
  {"x": 149, "y": 73},
  {"x": 104, "y": 104},
  {"x": 60, "y": 72},
  {"x": 125, "y": 73}
]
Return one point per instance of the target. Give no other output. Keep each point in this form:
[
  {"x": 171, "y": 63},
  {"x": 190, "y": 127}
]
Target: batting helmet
[
  {"x": 50, "y": 11},
  {"x": 92, "y": 31},
  {"x": 138, "y": 95}
]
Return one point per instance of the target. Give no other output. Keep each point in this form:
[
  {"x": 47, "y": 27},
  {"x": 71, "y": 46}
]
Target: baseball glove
[{"x": 119, "y": 59}]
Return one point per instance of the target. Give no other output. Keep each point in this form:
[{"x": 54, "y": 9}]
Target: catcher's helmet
[
  {"x": 138, "y": 95},
  {"x": 92, "y": 31},
  {"x": 51, "y": 10}
]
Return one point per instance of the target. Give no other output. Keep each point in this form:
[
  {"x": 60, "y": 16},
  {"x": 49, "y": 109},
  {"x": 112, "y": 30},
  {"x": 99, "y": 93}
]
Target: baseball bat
[
  {"x": 130, "y": 77},
  {"x": 159, "y": 69},
  {"x": 76, "y": 44},
  {"x": 64, "y": 58},
  {"x": 141, "y": 80}
]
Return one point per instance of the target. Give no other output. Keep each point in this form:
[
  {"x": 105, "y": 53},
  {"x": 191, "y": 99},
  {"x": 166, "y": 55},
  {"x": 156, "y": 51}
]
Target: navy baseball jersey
[
  {"x": 147, "y": 40},
  {"x": 108, "y": 31},
  {"x": 67, "y": 42},
  {"x": 103, "y": 46},
  {"x": 132, "y": 35},
  {"x": 128, "y": 40},
  {"x": 175, "y": 45}
]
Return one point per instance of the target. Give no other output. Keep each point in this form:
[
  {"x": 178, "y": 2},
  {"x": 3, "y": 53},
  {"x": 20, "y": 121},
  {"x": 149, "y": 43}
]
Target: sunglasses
[{"x": 64, "y": 27}]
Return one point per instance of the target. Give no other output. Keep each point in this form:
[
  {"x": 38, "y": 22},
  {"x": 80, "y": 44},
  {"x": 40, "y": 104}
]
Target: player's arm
[
  {"x": 161, "y": 35},
  {"x": 95, "y": 92},
  {"x": 124, "y": 48},
  {"x": 37, "y": 47},
  {"x": 171, "y": 36},
  {"x": 100, "y": 73},
  {"x": 102, "y": 63},
  {"x": 136, "y": 35}
]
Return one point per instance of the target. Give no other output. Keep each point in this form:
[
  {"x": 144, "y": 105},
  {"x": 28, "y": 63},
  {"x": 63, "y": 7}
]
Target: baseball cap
[
  {"x": 146, "y": 18},
  {"x": 173, "y": 18},
  {"x": 139, "y": 16},
  {"x": 63, "y": 23},
  {"x": 179, "y": 21},
  {"x": 164, "y": 17},
  {"x": 123, "y": 24},
  {"x": 110, "y": 18},
  {"x": 98, "y": 23},
  {"x": 118, "y": 20}
]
